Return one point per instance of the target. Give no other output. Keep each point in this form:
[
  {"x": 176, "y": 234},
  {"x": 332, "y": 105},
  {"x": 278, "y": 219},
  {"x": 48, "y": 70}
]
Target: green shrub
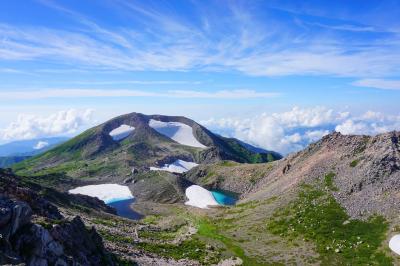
[
  {"x": 354, "y": 163},
  {"x": 328, "y": 181},
  {"x": 316, "y": 216}
]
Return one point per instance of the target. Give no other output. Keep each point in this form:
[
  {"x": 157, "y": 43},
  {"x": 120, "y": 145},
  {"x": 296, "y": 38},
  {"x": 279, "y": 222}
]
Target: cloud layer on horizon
[
  {"x": 62, "y": 123},
  {"x": 293, "y": 130},
  {"x": 284, "y": 132}
]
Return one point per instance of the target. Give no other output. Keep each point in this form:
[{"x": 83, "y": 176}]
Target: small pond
[
  {"x": 225, "y": 197},
  {"x": 124, "y": 209},
  {"x": 118, "y": 196}
]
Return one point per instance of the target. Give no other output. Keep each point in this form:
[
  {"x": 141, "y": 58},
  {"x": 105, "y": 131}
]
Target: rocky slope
[
  {"x": 365, "y": 171},
  {"x": 95, "y": 153},
  {"x": 33, "y": 231}
]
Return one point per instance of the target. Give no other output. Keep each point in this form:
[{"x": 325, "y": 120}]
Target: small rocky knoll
[{"x": 34, "y": 232}]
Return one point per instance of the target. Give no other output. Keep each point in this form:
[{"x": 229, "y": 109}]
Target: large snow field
[
  {"x": 177, "y": 131},
  {"x": 200, "y": 197},
  {"x": 394, "y": 244},
  {"x": 108, "y": 193},
  {"x": 121, "y": 132},
  {"x": 179, "y": 166}
]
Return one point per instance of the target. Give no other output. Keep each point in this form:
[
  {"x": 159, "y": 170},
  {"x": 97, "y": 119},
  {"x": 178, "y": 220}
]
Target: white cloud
[
  {"x": 306, "y": 117},
  {"x": 32, "y": 126},
  {"x": 383, "y": 84},
  {"x": 292, "y": 130},
  {"x": 370, "y": 123},
  {"x": 40, "y": 145},
  {"x": 96, "y": 93}
]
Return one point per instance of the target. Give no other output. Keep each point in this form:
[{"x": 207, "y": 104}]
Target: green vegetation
[
  {"x": 316, "y": 216},
  {"x": 228, "y": 163},
  {"x": 354, "y": 163},
  {"x": 116, "y": 238},
  {"x": 106, "y": 222},
  {"x": 246, "y": 156},
  {"x": 212, "y": 230},
  {"x": 363, "y": 145},
  {"x": 191, "y": 249},
  {"x": 151, "y": 219},
  {"x": 162, "y": 235},
  {"x": 328, "y": 181}
]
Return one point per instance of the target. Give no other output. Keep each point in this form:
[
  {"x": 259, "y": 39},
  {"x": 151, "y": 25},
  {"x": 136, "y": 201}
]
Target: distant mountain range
[
  {"x": 29, "y": 147},
  {"x": 17, "y": 151}
]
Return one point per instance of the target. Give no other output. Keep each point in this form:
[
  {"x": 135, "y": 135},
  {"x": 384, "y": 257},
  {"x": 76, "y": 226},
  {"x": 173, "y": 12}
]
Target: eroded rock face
[{"x": 55, "y": 242}]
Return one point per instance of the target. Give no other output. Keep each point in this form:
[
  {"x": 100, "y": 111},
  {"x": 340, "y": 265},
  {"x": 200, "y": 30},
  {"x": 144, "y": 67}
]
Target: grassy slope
[
  {"x": 248, "y": 156},
  {"x": 69, "y": 158},
  {"x": 316, "y": 216}
]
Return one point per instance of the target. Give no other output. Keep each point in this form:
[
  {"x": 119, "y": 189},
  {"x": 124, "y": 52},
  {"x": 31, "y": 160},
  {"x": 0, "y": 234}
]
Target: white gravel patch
[
  {"x": 394, "y": 244},
  {"x": 200, "y": 197},
  {"x": 179, "y": 166},
  {"x": 106, "y": 192},
  {"x": 121, "y": 132},
  {"x": 179, "y": 132}
]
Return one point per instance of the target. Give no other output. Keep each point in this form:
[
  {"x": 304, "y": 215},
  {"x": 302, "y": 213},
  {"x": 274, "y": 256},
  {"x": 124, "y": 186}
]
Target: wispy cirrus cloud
[
  {"x": 139, "y": 82},
  {"x": 101, "y": 93},
  {"x": 383, "y": 84},
  {"x": 163, "y": 40}
]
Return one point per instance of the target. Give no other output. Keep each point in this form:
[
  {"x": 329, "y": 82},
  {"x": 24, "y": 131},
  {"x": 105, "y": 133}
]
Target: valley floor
[
  {"x": 246, "y": 234},
  {"x": 173, "y": 234}
]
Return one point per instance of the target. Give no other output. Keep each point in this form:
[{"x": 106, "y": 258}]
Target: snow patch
[
  {"x": 108, "y": 193},
  {"x": 394, "y": 244},
  {"x": 177, "y": 131},
  {"x": 200, "y": 197},
  {"x": 121, "y": 132},
  {"x": 40, "y": 145},
  {"x": 179, "y": 166}
]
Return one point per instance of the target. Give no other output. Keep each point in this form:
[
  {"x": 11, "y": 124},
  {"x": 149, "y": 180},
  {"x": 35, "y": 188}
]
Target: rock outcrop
[{"x": 33, "y": 231}]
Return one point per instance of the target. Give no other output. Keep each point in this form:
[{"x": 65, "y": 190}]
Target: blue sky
[{"x": 209, "y": 60}]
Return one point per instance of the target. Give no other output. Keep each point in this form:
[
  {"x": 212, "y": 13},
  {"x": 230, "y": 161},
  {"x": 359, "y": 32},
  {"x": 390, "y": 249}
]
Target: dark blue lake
[
  {"x": 224, "y": 197},
  {"x": 124, "y": 209}
]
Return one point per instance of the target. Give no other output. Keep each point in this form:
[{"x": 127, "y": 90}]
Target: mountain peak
[{"x": 141, "y": 141}]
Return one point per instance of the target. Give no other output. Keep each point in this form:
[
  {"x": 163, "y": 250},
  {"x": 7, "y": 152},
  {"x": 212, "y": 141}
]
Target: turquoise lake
[
  {"x": 124, "y": 209},
  {"x": 224, "y": 197}
]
